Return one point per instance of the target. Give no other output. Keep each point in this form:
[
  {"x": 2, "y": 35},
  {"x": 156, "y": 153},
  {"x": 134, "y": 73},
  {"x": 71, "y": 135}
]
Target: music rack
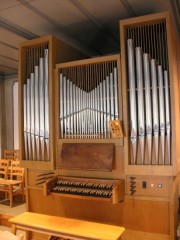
[{"x": 88, "y": 188}]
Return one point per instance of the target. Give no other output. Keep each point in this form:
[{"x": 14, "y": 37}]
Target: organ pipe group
[
  {"x": 36, "y": 104},
  {"x": 149, "y": 95},
  {"x": 88, "y": 100}
]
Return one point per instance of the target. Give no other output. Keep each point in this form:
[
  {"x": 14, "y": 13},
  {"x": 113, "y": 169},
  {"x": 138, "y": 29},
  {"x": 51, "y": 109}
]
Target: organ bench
[{"x": 66, "y": 228}]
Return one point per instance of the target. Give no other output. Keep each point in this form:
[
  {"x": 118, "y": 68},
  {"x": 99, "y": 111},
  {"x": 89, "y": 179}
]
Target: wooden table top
[{"x": 73, "y": 227}]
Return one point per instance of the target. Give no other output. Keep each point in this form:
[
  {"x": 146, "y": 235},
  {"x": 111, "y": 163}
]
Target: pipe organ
[{"x": 66, "y": 132}]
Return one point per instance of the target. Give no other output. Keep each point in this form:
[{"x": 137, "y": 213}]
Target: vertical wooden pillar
[{"x": 2, "y": 117}]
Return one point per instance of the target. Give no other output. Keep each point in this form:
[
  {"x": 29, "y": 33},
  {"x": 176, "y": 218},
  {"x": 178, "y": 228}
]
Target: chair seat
[{"x": 2, "y": 186}]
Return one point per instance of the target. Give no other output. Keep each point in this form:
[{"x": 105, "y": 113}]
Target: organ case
[
  {"x": 150, "y": 83},
  {"x": 36, "y": 90},
  {"x": 88, "y": 99},
  {"x": 150, "y": 87}
]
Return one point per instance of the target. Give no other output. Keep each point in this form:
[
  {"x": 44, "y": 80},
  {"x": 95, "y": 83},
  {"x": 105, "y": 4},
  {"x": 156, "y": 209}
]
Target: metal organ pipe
[
  {"x": 161, "y": 111},
  {"x": 132, "y": 96},
  {"x": 36, "y": 96},
  {"x": 148, "y": 104},
  {"x": 46, "y": 103},
  {"x": 32, "y": 115},
  {"x": 41, "y": 105},
  {"x": 155, "y": 109},
  {"x": 28, "y": 117},
  {"x": 168, "y": 123},
  {"x": 25, "y": 119},
  {"x": 140, "y": 97}
]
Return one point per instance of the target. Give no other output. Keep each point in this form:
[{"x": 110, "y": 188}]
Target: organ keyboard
[{"x": 97, "y": 189}]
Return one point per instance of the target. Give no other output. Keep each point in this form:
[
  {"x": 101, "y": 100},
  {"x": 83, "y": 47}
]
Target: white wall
[{"x": 9, "y": 111}]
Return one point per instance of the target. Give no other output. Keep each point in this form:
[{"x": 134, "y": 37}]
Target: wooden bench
[{"x": 67, "y": 228}]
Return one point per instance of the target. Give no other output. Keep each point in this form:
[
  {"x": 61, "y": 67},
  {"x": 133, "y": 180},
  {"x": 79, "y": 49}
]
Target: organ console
[{"x": 89, "y": 188}]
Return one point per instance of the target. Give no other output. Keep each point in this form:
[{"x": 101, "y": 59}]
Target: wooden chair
[
  {"x": 11, "y": 154},
  {"x": 14, "y": 185},
  {"x": 17, "y": 173}
]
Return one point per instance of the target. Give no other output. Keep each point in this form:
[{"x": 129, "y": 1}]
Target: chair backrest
[
  {"x": 4, "y": 163},
  {"x": 11, "y": 154},
  {"x": 17, "y": 173},
  {"x": 15, "y": 163}
]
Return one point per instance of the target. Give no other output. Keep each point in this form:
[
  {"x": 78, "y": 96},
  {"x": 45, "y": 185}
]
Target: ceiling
[{"x": 89, "y": 25}]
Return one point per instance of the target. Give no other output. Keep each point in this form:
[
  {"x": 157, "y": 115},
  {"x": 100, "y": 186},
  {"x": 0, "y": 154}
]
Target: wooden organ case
[
  {"x": 88, "y": 101},
  {"x": 91, "y": 98},
  {"x": 150, "y": 55},
  {"x": 36, "y": 89},
  {"x": 83, "y": 125}
]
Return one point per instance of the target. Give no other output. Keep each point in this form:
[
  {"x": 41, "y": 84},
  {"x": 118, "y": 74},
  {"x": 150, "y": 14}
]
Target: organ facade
[{"x": 66, "y": 132}]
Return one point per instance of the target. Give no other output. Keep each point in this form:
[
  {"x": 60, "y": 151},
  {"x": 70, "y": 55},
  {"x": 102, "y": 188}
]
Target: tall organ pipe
[
  {"x": 168, "y": 121},
  {"x": 115, "y": 92},
  {"x": 155, "y": 109},
  {"x": 132, "y": 96},
  {"x": 141, "y": 124},
  {"x": 64, "y": 105},
  {"x": 36, "y": 99},
  {"x": 61, "y": 104},
  {"x": 46, "y": 103},
  {"x": 148, "y": 104},
  {"x": 25, "y": 119},
  {"x": 108, "y": 104},
  {"x": 32, "y": 115},
  {"x": 29, "y": 117},
  {"x": 41, "y": 105},
  {"x": 161, "y": 111}
]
